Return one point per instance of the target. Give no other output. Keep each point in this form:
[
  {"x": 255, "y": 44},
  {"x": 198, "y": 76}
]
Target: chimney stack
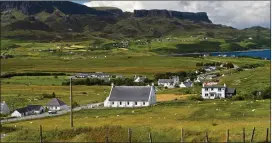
[
  {"x": 225, "y": 85},
  {"x": 152, "y": 84},
  {"x": 112, "y": 84}
]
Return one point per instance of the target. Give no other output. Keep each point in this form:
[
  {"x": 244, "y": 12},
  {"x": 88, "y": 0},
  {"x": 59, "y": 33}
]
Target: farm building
[
  {"x": 131, "y": 96},
  {"x": 28, "y": 110},
  {"x": 217, "y": 91},
  {"x": 4, "y": 108},
  {"x": 56, "y": 104}
]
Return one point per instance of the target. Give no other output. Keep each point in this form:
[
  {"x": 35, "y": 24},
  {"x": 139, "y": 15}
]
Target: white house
[
  {"x": 186, "y": 84},
  {"x": 217, "y": 91},
  {"x": 131, "y": 96},
  {"x": 4, "y": 108},
  {"x": 169, "y": 83},
  {"x": 28, "y": 110},
  {"x": 56, "y": 105},
  {"x": 35, "y": 109},
  {"x": 20, "y": 112}
]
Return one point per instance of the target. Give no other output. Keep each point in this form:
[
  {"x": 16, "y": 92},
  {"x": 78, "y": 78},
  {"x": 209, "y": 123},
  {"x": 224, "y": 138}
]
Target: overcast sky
[{"x": 238, "y": 14}]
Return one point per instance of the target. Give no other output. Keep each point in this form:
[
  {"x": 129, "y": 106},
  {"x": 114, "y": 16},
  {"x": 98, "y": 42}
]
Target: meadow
[{"x": 163, "y": 120}]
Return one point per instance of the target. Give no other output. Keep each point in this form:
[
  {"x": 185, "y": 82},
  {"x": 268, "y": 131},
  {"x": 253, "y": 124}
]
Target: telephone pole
[{"x": 71, "y": 102}]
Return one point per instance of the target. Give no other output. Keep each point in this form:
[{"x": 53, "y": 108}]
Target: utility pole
[{"x": 71, "y": 102}]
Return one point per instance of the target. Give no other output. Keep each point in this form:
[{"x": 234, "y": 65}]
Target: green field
[{"x": 163, "y": 120}]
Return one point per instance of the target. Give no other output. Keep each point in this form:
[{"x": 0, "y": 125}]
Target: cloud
[{"x": 239, "y": 14}]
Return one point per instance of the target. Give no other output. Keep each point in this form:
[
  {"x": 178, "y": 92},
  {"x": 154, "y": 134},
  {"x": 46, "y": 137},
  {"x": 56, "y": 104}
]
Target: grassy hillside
[{"x": 164, "y": 121}]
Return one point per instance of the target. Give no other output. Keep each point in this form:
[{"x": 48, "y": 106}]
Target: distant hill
[{"x": 64, "y": 20}]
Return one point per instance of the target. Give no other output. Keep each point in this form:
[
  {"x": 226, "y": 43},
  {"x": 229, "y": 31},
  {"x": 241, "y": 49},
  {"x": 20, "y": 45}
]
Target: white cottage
[
  {"x": 28, "y": 110},
  {"x": 131, "y": 96},
  {"x": 169, "y": 83},
  {"x": 56, "y": 105},
  {"x": 217, "y": 91},
  {"x": 4, "y": 108}
]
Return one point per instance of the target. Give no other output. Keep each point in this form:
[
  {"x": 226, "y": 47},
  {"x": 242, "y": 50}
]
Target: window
[
  {"x": 212, "y": 94},
  {"x": 120, "y": 103},
  {"x": 112, "y": 103},
  {"x": 135, "y": 103},
  {"x": 127, "y": 103},
  {"x": 206, "y": 94},
  {"x": 212, "y": 89},
  {"x": 219, "y": 94},
  {"x": 143, "y": 103},
  {"x": 219, "y": 89},
  {"x": 206, "y": 89}
]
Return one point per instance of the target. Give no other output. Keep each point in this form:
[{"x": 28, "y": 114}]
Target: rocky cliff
[{"x": 199, "y": 16}]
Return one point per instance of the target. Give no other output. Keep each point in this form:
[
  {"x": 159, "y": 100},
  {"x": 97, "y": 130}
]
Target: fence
[{"x": 182, "y": 137}]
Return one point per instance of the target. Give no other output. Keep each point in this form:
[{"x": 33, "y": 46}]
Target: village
[{"x": 140, "y": 94}]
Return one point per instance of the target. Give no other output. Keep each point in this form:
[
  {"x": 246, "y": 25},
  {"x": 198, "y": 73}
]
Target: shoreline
[{"x": 253, "y": 50}]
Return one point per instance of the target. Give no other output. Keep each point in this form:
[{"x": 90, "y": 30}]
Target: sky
[{"x": 238, "y": 14}]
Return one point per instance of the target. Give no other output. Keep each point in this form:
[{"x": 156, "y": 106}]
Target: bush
[
  {"x": 238, "y": 97},
  {"x": 75, "y": 104},
  {"x": 196, "y": 97}
]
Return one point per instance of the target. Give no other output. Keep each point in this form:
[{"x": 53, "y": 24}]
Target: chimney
[
  {"x": 203, "y": 84},
  {"x": 152, "y": 84},
  {"x": 225, "y": 85},
  {"x": 112, "y": 84}
]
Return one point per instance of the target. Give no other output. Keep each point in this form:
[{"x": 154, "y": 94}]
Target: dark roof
[
  {"x": 188, "y": 84},
  {"x": 230, "y": 90},
  {"x": 22, "y": 110},
  {"x": 165, "y": 80},
  {"x": 130, "y": 93},
  {"x": 214, "y": 86},
  {"x": 55, "y": 102},
  {"x": 34, "y": 107}
]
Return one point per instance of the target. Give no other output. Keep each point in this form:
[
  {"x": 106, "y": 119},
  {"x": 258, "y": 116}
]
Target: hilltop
[{"x": 67, "y": 21}]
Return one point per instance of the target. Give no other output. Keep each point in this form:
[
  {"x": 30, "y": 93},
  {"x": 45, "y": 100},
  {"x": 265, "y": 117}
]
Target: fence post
[
  {"x": 150, "y": 138},
  {"x": 107, "y": 137},
  {"x": 244, "y": 135},
  {"x": 267, "y": 132},
  {"x": 206, "y": 137},
  {"x": 252, "y": 136},
  {"x": 182, "y": 138},
  {"x": 227, "y": 136},
  {"x": 41, "y": 134},
  {"x": 129, "y": 135}
]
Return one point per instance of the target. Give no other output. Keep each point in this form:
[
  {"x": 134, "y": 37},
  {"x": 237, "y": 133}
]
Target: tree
[{"x": 53, "y": 95}]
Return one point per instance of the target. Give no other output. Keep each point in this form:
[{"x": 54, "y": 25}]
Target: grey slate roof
[
  {"x": 188, "y": 84},
  {"x": 22, "y": 110},
  {"x": 34, "y": 107},
  {"x": 214, "y": 86},
  {"x": 165, "y": 80},
  {"x": 130, "y": 93},
  {"x": 55, "y": 102},
  {"x": 230, "y": 90}
]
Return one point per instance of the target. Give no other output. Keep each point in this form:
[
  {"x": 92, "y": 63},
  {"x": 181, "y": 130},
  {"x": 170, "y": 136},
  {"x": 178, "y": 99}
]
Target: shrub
[
  {"x": 238, "y": 97},
  {"x": 196, "y": 97}
]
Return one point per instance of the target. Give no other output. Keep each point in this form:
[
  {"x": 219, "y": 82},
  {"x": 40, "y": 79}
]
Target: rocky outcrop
[
  {"x": 199, "y": 16},
  {"x": 66, "y": 7}
]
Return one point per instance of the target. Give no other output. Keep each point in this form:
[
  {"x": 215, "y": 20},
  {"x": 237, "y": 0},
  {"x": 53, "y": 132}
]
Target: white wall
[
  {"x": 215, "y": 90},
  {"x": 16, "y": 114}
]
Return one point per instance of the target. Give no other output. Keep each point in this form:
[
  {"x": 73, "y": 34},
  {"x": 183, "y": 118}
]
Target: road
[{"x": 30, "y": 117}]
